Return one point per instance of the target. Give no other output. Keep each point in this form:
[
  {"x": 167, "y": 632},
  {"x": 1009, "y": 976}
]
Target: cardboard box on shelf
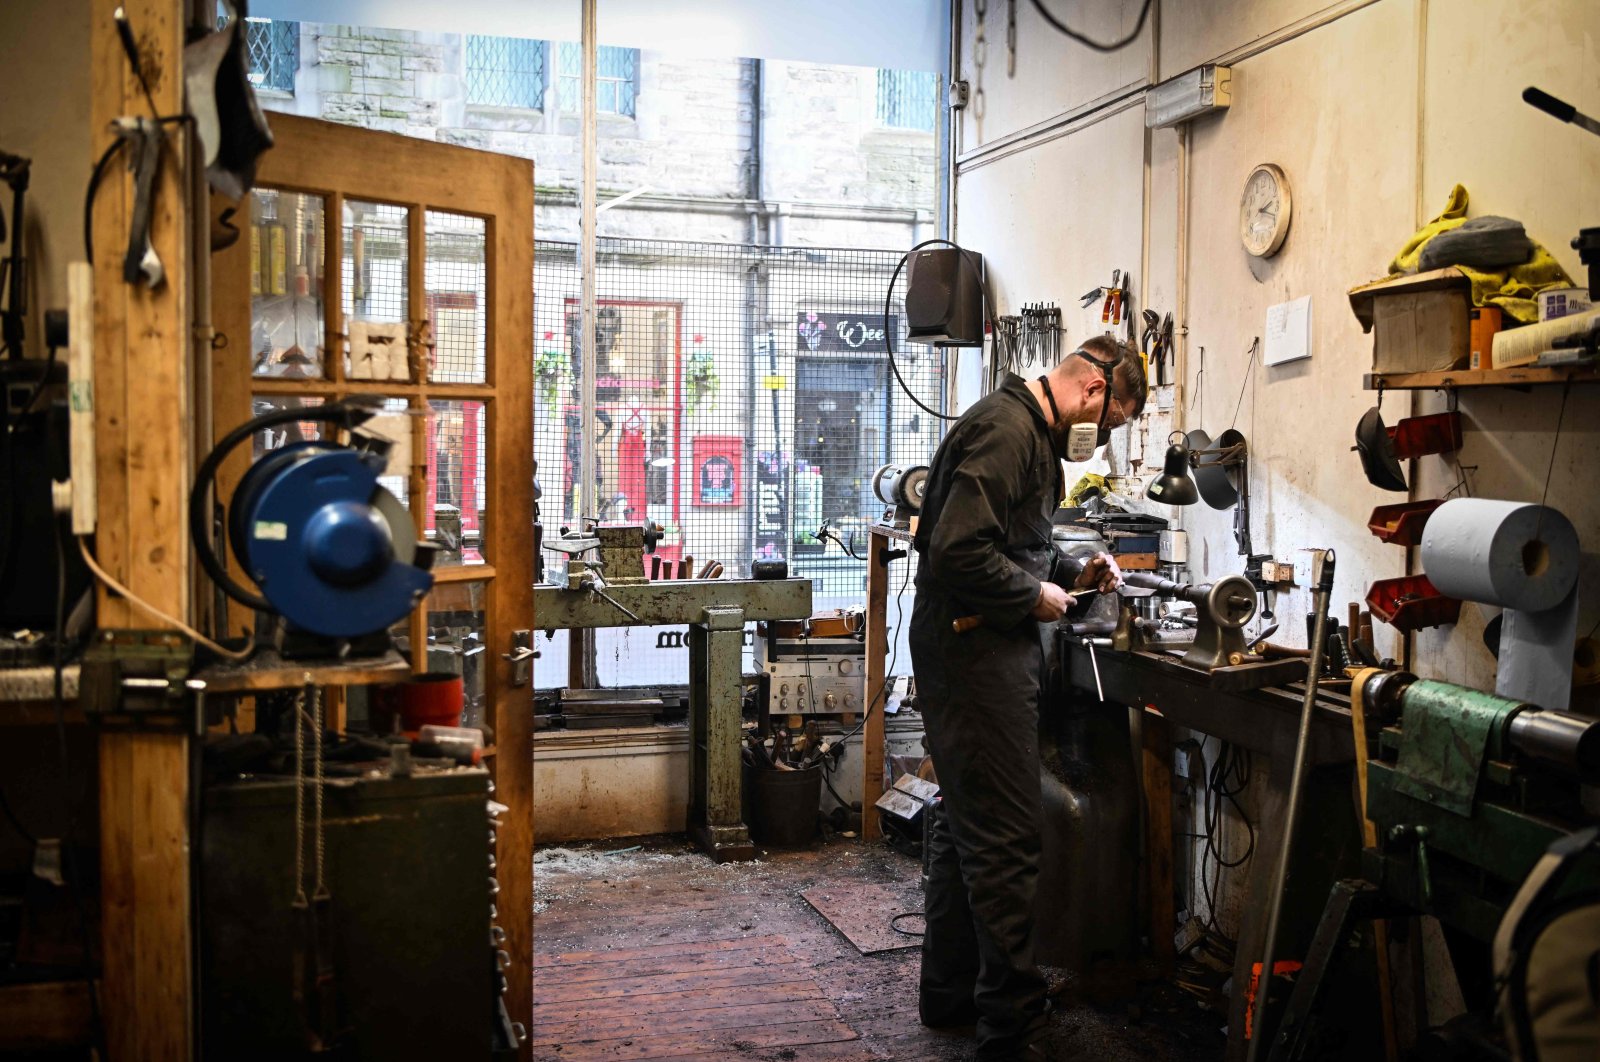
[{"x": 1418, "y": 323}]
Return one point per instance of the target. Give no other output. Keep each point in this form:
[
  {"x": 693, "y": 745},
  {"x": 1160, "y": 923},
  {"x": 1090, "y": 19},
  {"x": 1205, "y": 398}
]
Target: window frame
[{"x": 545, "y": 82}]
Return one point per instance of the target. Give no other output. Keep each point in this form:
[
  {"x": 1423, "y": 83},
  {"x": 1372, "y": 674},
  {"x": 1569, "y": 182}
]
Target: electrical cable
[
  {"x": 990, "y": 318},
  {"x": 825, "y": 534},
  {"x": 88, "y": 200},
  {"x": 894, "y": 656},
  {"x": 894, "y": 923},
  {"x": 144, "y": 606},
  {"x": 1228, "y": 777},
  {"x": 1090, "y": 42}
]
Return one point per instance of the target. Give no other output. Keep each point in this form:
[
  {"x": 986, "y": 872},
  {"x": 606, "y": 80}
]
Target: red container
[
  {"x": 1402, "y": 524},
  {"x": 1411, "y": 603},
  {"x": 1436, "y": 433},
  {"x": 432, "y": 699}
]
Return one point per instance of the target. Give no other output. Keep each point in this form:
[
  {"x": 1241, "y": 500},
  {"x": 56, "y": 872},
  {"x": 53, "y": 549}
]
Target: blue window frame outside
[
  {"x": 616, "y": 81},
  {"x": 506, "y": 72},
  {"x": 272, "y": 47}
]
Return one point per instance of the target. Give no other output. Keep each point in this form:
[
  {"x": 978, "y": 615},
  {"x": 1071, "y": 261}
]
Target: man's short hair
[{"x": 1132, "y": 387}]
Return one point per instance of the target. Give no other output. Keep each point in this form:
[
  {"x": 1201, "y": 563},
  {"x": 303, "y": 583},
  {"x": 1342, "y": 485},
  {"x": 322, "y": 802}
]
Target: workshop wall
[
  {"x": 44, "y": 80},
  {"x": 1374, "y": 108}
]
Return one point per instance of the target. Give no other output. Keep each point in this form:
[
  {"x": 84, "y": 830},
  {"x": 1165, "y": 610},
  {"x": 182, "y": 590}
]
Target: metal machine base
[{"x": 716, "y": 611}]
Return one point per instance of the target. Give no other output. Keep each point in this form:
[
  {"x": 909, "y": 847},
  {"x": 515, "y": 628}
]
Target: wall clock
[{"x": 1264, "y": 210}]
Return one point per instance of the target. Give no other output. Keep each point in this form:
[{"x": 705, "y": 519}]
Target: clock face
[{"x": 1264, "y": 211}]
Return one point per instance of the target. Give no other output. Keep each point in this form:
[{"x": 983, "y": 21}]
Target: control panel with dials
[{"x": 811, "y": 675}]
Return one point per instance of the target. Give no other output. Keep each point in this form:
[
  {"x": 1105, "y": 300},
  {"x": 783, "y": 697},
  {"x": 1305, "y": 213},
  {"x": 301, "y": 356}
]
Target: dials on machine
[{"x": 815, "y": 666}]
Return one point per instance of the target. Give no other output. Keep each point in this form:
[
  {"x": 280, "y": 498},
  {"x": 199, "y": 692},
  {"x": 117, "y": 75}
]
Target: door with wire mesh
[{"x": 374, "y": 264}]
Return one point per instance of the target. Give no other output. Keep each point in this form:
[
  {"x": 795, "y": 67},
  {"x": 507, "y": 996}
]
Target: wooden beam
[
  {"x": 142, "y": 417},
  {"x": 875, "y": 692}
]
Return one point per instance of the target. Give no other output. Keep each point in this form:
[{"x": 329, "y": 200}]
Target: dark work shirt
[{"x": 983, "y": 538}]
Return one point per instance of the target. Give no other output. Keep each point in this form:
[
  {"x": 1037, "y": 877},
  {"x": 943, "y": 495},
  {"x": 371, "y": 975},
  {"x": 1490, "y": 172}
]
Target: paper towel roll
[{"x": 1505, "y": 553}]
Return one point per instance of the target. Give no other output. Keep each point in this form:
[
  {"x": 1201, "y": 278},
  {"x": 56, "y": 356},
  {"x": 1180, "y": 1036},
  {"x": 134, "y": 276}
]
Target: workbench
[
  {"x": 715, "y": 611},
  {"x": 1169, "y": 693}
]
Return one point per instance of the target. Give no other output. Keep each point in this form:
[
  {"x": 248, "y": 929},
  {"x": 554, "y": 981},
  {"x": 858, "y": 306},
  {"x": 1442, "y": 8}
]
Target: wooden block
[{"x": 1137, "y": 562}]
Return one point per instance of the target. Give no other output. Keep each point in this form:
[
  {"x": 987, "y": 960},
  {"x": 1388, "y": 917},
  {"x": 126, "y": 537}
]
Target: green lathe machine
[{"x": 1466, "y": 791}]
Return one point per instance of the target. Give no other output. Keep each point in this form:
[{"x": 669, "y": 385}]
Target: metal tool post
[{"x": 1323, "y": 564}]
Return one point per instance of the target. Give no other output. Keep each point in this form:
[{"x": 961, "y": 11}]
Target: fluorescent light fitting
[{"x": 1200, "y": 91}]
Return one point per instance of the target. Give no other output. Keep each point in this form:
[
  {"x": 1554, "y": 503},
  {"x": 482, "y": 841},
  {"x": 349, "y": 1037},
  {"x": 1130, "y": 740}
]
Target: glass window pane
[
  {"x": 456, "y": 272},
  {"x": 456, "y": 617},
  {"x": 284, "y": 434},
  {"x": 457, "y": 434},
  {"x": 286, "y": 284},
  {"x": 376, "y": 264}
]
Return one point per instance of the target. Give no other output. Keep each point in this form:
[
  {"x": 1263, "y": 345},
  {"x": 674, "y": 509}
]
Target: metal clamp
[{"x": 521, "y": 657}]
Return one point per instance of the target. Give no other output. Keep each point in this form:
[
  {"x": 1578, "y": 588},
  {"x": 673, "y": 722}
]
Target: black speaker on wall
[{"x": 944, "y": 297}]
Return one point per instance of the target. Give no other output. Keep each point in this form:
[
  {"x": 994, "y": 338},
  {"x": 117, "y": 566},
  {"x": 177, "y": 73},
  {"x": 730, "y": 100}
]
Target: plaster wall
[{"x": 1374, "y": 108}]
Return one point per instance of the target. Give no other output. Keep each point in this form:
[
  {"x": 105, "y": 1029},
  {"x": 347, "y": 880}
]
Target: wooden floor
[{"x": 657, "y": 953}]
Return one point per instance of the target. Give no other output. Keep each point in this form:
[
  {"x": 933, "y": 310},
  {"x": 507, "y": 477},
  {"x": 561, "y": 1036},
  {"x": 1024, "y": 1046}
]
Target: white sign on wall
[{"x": 1288, "y": 334}]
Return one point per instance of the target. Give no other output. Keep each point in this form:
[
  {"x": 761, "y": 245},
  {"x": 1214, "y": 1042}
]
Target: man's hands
[
  {"x": 1100, "y": 572},
  {"x": 1052, "y": 604}
]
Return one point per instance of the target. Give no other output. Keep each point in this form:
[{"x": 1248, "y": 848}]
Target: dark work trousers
[{"x": 978, "y": 693}]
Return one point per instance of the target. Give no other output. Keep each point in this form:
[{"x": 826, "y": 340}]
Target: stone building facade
[{"x": 725, "y": 150}]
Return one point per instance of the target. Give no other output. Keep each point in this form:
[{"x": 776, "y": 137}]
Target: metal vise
[
  {"x": 1224, "y": 606},
  {"x": 622, "y": 551}
]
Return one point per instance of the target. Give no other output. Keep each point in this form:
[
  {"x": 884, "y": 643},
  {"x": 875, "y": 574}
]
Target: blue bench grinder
[{"x": 335, "y": 554}]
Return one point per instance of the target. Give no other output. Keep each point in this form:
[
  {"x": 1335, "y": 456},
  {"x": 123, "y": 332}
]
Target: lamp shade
[{"x": 1174, "y": 486}]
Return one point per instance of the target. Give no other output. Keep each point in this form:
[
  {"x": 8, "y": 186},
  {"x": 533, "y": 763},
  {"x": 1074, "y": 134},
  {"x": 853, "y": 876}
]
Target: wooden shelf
[
  {"x": 1522, "y": 376},
  {"x": 268, "y": 671}
]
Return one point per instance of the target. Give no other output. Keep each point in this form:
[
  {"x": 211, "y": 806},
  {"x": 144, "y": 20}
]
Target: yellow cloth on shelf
[
  {"x": 1088, "y": 486},
  {"x": 1512, "y": 289}
]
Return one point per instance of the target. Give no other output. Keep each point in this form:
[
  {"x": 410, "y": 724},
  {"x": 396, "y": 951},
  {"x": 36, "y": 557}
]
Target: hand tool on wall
[
  {"x": 1111, "y": 311},
  {"x": 1161, "y": 348},
  {"x": 145, "y": 138},
  {"x": 1149, "y": 338}
]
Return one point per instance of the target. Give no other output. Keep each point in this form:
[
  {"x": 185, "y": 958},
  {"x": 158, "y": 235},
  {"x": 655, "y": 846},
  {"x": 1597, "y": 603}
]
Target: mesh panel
[
  {"x": 908, "y": 99},
  {"x": 455, "y": 273},
  {"x": 505, "y": 72},
  {"x": 743, "y": 399}
]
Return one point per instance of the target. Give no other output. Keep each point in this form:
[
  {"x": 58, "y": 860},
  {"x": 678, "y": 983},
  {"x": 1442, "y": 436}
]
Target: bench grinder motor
[{"x": 334, "y": 553}]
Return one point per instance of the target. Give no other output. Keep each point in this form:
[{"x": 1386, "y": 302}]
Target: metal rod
[
  {"x": 1280, "y": 873},
  {"x": 586, "y": 498}
]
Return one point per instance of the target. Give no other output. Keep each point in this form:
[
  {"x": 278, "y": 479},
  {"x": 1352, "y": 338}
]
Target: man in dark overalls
[{"x": 984, "y": 549}]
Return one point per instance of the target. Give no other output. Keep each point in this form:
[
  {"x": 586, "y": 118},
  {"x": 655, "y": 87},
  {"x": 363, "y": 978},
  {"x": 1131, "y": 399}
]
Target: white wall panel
[{"x": 1053, "y": 73}]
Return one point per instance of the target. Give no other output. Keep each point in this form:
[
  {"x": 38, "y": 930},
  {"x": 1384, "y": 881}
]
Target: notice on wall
[{"x": 1288, "y": 334}]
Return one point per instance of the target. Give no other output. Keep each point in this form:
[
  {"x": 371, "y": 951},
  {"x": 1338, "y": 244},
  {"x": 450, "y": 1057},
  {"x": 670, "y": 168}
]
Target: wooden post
[
  {"x": 875, "y": 691},
  {"x": 143, "y": 414},
  {"x": 1158, "y": 839}
]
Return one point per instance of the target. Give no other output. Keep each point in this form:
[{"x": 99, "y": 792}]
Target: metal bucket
[{"x": 781, "y": 806}]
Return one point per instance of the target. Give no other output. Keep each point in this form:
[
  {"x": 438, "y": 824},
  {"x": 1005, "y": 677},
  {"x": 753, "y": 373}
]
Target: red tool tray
[
  {"x": 1434, "y": 433},
  {"x": 1402, "y": 524},
  {"x": 1411, "y": 602}
]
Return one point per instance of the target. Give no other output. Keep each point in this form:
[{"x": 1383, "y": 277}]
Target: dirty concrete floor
[{"x": 640, "y": 893}]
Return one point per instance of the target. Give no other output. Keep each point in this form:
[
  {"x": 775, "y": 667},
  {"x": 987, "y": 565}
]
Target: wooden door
[{"x": 371, "y": 263}]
